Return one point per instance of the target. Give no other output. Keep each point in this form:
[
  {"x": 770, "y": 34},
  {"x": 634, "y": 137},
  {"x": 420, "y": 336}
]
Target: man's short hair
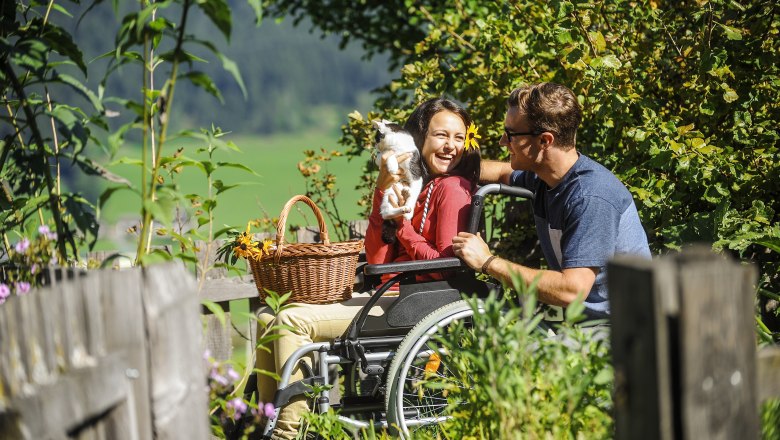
[{"x": 549, "y": 107}]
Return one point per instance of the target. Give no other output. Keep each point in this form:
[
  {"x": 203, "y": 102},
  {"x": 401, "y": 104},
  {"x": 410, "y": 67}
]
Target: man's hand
[
  {"x": 387, "y": 178},
  {"x": 471, "y": 248}
]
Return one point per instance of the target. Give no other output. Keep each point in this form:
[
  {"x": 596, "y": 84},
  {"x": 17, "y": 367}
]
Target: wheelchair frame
[{"x": 368, "y": 347}]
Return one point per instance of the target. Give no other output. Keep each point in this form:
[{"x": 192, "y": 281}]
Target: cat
[{"x": 392, "y": 137}]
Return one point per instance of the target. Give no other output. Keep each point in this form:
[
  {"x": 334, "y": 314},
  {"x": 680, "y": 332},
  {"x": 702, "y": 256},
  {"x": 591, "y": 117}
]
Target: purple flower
[
  {"x": 218, "y": 378},
  {"x": 46, "y": 232},
  {"x": 22, "y": 246},
  {"x": 5, "y": 292},
  {"x": 34, "y": 268},
  {"x": 232, "y": 375},
  {"x": 22, "y": 287},
  {"x": 238, "y": 406},
  {"x": 206, "y": 354},
  {"x": 269, "y": 409}
]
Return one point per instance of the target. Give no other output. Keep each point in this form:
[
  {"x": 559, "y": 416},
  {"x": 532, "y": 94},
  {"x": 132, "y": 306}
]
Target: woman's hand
[
  {"x": 388, "y": 177},
  {"x": 398, "y": 201}
]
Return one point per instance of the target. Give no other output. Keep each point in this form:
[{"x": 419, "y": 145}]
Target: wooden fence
[
  {"x": 104, "y": 354},
  {"x": 118, "y": 354},
  {"x": 684, "y": 348}
]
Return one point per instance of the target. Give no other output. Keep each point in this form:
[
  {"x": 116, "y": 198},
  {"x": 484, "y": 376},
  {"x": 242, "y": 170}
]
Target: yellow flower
[
  {"x": 471, "y": 138},
  {"x": 266, "y": 250},
  {"x": 246, "y": 247}
]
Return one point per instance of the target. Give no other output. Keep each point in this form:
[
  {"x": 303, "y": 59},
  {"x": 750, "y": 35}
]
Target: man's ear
[{"x": 546, "y": 139}]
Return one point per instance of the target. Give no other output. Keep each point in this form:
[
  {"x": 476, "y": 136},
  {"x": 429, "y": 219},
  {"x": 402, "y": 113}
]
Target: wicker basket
[{"x": 315, "y": 273}]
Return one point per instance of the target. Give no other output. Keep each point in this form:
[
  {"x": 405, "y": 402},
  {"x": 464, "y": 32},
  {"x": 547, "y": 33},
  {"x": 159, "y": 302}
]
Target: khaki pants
[{"x": 311, "y": 323}]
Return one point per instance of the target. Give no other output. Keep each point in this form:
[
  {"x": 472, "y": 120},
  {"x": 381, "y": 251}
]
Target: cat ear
[{"x": 377, "y": 124}]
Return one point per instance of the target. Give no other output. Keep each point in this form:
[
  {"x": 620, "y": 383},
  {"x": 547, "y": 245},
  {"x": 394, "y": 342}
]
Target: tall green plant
[{"x": 155, "y": 38}]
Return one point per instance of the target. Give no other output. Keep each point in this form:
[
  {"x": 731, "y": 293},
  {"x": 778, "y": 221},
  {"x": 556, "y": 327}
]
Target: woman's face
[{"x": 444, "y": 142}]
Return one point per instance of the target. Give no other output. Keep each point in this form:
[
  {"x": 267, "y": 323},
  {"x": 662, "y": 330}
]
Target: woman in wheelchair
[{"x": 451, "y": 172}]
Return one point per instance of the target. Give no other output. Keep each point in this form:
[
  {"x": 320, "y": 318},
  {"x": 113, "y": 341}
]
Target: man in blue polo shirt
[{"x": 584, "y": 215}]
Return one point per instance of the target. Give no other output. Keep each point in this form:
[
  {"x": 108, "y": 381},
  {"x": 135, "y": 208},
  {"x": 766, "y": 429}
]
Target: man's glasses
[{"x": 509, "y": 134}]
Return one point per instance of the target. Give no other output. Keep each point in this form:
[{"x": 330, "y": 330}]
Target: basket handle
[{"x": 280, "y": 227}]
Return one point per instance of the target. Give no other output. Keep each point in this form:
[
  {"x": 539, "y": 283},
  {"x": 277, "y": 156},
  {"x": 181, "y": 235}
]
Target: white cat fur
[{"x": 398, "y": 142}]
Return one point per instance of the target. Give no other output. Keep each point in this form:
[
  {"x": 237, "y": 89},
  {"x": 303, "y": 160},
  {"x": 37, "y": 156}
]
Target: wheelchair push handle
[{"x": 478, "y": 199}]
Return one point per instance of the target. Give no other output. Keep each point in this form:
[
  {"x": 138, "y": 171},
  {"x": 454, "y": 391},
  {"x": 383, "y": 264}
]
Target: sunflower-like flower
[
  {"x": 246, "y": 247},
  {"x": 266, "y": 249},
  {"x": 471, "y": 138}
]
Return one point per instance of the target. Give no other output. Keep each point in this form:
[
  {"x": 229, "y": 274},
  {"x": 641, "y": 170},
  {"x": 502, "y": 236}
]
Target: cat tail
[{"x": 389, "y": 227}]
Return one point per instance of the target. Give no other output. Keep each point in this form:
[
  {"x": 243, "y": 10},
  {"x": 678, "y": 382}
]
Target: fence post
[
  {"x": 173, "y": 329},
  {"x": 683, "y": 347}
]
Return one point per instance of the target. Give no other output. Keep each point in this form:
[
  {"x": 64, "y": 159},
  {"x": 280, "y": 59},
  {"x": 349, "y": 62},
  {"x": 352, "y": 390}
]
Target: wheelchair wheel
[{"x": 411, "y": 406}]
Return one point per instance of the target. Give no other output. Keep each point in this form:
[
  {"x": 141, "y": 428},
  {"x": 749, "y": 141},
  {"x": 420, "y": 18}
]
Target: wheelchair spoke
[{"x": 425, "y": 385}]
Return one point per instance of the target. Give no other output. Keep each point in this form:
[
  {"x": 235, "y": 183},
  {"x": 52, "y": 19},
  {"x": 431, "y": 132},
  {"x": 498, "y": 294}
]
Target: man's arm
[
  {"x": 493, "y": 171},
  {"x": 553, "y": 287}
]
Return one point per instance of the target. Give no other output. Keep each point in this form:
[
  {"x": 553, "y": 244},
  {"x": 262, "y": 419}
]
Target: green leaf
[
  {"x": 80, "y": 88},
  {"x": 205, "y": 82},
  {"x": 219, "y": 13},
  {"x": 730, "y": 95},
  {"x": 257, "y": 7},
  {"x": 608, "y": 61},
  {"x": 237, "y": 165},
  {"x": 731, "y": 33},
  {"x": 156, "y": 256},
  {"x": 232, "y": 68},
  {"x": 770, "y": 243},
  {"x": 62, "y": 43}
]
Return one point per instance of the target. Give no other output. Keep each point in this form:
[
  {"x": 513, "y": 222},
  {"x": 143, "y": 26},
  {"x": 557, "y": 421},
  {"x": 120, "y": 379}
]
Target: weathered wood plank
[
  {"x": 218, "y": 337},
  {"x": 640, "y": 351},
  {"x": 6, "y": 372},
  {"x": 229, "y": 289},
  {"x": 59, "y": 407},
  {"x": 91, "y": 291},
  {"x": 125, "y": 334},
  {"x": 32, "y": 334},
  {"x": 176, "y": 356},
  {"x": 768, "y": 377},
  {"x": 717, "y": 348}
]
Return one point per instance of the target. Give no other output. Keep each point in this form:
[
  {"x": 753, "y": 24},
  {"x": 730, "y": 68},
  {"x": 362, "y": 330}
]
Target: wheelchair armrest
[{"x": 435, "y": 265}]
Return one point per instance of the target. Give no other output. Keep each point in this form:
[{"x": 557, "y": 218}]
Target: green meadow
[{"x": 274, "y": 159}]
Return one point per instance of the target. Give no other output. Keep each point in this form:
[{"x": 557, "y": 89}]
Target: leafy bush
[{"x": 521, "y": 382}]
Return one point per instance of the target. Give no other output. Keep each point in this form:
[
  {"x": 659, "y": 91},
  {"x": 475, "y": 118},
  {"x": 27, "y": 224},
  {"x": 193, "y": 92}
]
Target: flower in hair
[{"x": 471, "y": 138}]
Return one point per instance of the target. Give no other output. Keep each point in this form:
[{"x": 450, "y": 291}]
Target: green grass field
[{"x": 274, "y": 158}]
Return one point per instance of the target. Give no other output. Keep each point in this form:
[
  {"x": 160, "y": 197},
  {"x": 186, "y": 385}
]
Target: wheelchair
[{"x": 380, "y": 361}]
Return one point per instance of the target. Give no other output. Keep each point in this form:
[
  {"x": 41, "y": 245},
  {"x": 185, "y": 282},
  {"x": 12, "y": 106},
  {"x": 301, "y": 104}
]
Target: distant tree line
[{"x": 294, "y": 79}]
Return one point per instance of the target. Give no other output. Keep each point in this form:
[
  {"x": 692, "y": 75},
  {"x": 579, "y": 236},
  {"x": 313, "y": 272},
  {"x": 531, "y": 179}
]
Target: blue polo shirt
[{"x": 584, "y": 221}]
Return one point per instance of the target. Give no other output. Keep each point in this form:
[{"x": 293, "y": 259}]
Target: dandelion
[
  {"x": 238, "y": 407},
  {"x": 22, "y": 287},
  {"x": 22, "y": 245},
  {"x": 5, "y": 292},
  {"x": 471, "y": 138}
]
